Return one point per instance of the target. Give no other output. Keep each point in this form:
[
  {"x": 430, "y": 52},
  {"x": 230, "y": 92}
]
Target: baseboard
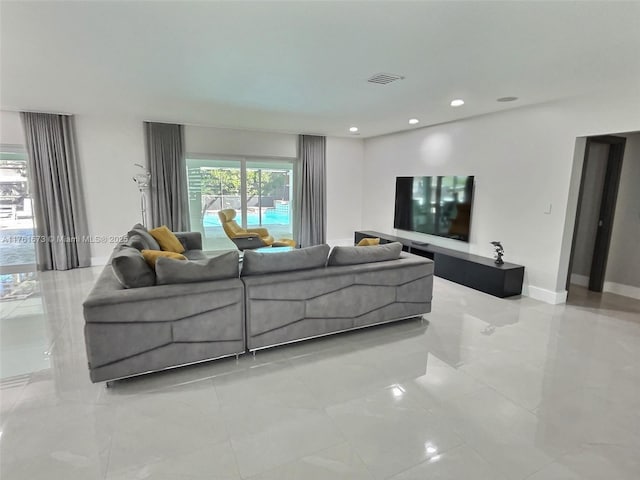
[
  {"x": 621, "y": 289},
  {"x": 544, "y": 295},
  {"x": 99, "y": 261},
  {"x": 581, "y": 280}
]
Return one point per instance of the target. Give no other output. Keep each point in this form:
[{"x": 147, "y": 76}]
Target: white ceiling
[{"x": 301, "y": 67}]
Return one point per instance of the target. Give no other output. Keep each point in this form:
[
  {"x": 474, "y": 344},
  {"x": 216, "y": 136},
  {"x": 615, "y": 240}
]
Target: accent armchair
[{"x": 249, "y": 238}]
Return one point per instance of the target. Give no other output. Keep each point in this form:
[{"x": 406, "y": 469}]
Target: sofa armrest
[
  {"x": 192, "y": 240},
  {"x": 263, "y": 232}
]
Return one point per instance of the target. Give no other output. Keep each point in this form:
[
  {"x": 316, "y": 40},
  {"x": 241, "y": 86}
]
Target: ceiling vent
[{"x": 384, "y": 78}]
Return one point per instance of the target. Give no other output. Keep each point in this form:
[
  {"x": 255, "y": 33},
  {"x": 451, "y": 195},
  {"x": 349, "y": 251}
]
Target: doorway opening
[{"x": 599, "y": 184}]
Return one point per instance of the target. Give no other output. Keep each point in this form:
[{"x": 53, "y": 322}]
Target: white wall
[
  {"x": 623, "y": 264},
  {"x": 108, "y": 148},
  {"x": 522, "y": 160},
  {"x": 226, "y": 141},
  {"x": 345, "y": 163},
  {"x": 11, "y": 132}
]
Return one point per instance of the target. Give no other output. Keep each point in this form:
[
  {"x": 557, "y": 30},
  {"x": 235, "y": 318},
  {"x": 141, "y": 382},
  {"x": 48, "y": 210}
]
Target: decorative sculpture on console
[{"x": 499, "y": 252}]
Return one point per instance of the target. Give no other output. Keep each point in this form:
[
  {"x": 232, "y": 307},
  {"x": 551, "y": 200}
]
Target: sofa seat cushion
[
  {"x": 131, "y": 269},
  {"x": 357, "y": 255},
  {"x": 221, "y": 267},
  {"x": 195, "y": 255},
  {"x": 258, "y": 263}
]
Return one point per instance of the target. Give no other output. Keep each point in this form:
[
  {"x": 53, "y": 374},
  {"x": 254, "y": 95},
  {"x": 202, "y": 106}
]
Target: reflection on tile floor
[{"x": 486, "y": 389}]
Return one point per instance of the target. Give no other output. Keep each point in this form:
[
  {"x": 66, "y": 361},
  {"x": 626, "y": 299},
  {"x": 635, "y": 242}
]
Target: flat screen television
[{"x": 434, "y": 205}]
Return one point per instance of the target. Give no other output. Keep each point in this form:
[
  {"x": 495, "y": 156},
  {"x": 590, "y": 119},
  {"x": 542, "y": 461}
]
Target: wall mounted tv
[{"x": 434, "y": 205}]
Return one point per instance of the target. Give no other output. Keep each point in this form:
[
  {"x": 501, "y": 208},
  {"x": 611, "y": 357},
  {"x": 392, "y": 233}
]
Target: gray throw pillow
[
  {"x": 169, "y": 270},
  {"x": 148, "y": 241},
  {"x": 370, "y": 254},
  {"x": 257, "y": 263},
  {"x": 131, "y": 269}
]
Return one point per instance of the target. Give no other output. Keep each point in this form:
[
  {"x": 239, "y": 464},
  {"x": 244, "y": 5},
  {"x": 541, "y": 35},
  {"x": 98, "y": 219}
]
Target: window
[
  {"x": 17, "y": 247},
  {"x": 260, "y": 190}
]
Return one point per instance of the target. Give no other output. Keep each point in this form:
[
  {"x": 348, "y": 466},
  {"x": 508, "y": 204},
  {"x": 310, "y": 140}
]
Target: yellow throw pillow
[
  {"x": 166, "y": 239},
  {"x": 368, "y": 242},
  {"x": 152, "y": 255}
]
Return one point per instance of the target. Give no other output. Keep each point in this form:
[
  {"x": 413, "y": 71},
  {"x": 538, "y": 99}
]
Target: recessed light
[
  {"x": 430, "y": 449},
  {"x": 353, "y": 129},
  {"x": 413, "y": 121},
  {"x": 458, "y": 102},
  {"x": 507, "y": 99}
]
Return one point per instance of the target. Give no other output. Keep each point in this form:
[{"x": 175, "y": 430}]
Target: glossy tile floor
[{"x": 486, "y": 389}]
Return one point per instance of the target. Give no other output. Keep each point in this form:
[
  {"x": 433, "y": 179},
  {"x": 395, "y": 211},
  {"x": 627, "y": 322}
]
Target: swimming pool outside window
[
  {"x": 260, "y": 190},
  {"x": 17, "y": 241}
]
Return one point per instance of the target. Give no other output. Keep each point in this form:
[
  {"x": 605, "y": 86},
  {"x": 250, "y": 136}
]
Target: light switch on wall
[{"x": 548, "y": 210}]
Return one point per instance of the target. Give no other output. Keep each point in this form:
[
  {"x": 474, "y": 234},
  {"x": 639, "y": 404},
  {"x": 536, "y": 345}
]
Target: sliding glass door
[
  {"x": 268, "y": 194},
  {"x": 17, "y": 241},
  {"x": 259, "y": 190}
]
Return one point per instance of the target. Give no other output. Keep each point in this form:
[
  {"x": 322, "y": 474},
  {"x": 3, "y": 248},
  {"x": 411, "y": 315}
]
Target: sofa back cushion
[
  {"x": 136, "y": 241},
  {"x": 140, "y": 236},
  {"x": 221, "y": 267},
  {"x": 358, "y": 255},
  {"x": 131, "y": 269},
  {"x": 258, "y": 263}
]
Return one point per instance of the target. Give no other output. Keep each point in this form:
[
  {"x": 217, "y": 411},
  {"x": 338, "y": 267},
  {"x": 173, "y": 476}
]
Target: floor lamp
[{"x": 143, "y": 180}]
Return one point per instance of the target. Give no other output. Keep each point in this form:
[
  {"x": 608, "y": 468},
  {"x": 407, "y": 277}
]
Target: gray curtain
[
  {"x": 311, "y": 212},
  {"x": 167, "y": 164},
  {"x": 56, "y": 188}
]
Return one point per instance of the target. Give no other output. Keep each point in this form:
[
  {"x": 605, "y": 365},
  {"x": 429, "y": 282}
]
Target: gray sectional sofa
[
  {"x": 359, "y": 287},
  {"x": 207, "y": 309},
  {"x": 130, "y": 331}
]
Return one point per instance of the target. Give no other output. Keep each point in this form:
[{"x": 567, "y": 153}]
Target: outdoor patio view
[
  {"x": 17, "y": 250},
  {"x": 259, "y": 191}
]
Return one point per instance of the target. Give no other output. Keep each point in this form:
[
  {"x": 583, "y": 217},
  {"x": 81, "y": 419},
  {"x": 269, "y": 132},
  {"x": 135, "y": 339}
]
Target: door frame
[{"x": 607, "y": 209}]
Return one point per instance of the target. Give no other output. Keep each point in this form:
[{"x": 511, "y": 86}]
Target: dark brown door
[{"x": 606, "y": 210}]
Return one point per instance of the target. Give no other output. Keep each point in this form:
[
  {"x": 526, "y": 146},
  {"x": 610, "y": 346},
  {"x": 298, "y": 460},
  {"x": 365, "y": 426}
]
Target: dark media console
[{"x": 474, "y": 271}]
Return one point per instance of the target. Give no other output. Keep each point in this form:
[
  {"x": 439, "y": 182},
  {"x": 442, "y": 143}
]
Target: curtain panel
[
  {"x": 59, "y": 210},
  {"x": 167, "y": 164},
  {"x": 311, "y": 211}
]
